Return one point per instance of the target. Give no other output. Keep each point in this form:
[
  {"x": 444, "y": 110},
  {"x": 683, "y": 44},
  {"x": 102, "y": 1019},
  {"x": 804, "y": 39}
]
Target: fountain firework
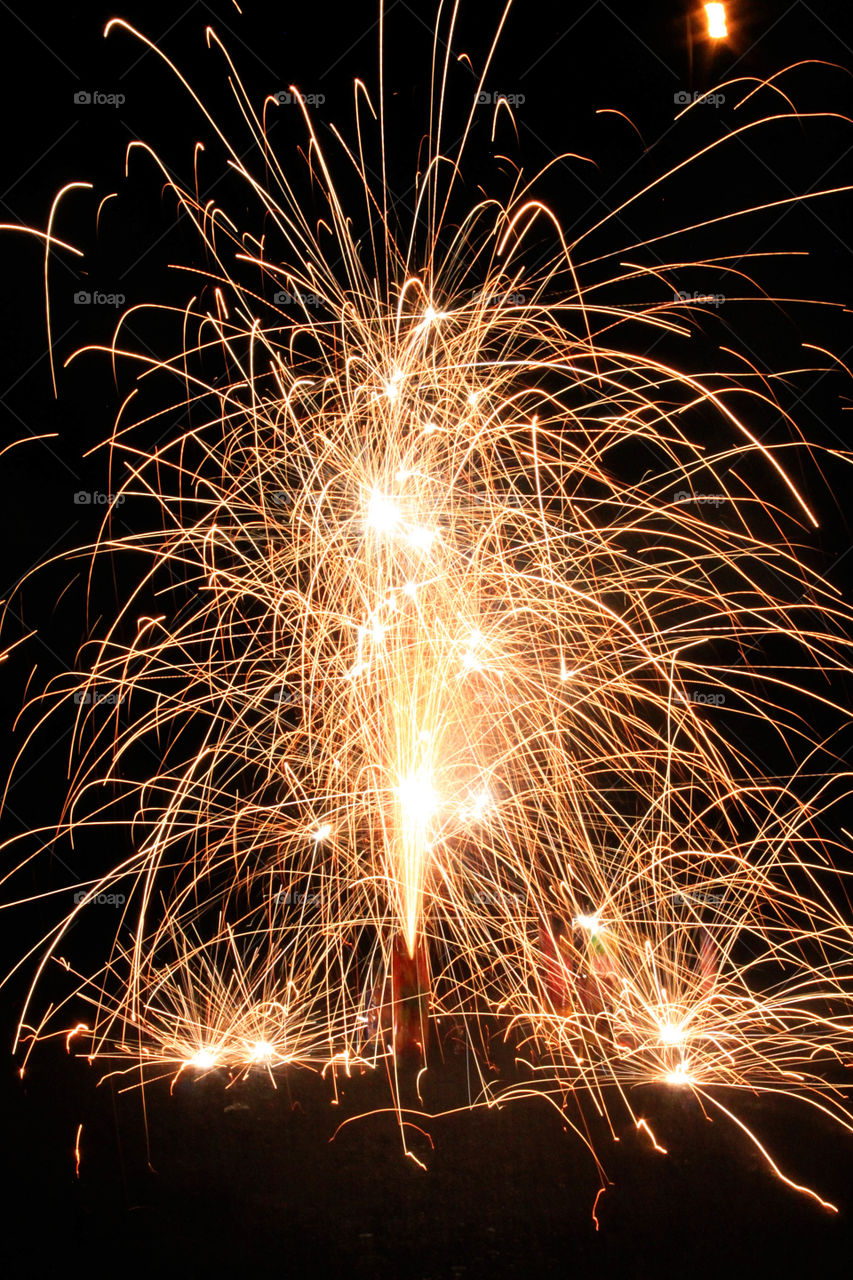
[{"x": 438, "y": 565}]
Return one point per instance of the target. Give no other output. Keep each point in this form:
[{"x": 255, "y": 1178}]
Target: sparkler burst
[{"x": 443, "y": 553}]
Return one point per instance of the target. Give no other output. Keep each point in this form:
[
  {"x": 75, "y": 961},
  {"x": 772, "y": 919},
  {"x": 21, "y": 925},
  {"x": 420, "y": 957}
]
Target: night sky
[{"x": 210, "y": 1179}]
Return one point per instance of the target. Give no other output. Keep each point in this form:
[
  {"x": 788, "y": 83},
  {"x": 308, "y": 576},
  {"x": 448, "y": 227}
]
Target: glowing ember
[
  {"x": 717, "y": 27},
  {"x": 204, "y": 1059},
  {"x": 383, "y": 514},
  {"x": 417, "y": 799}
]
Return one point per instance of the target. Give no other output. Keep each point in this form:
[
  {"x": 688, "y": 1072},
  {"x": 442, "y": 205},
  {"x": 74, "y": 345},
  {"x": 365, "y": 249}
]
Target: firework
[{"x": 420, "y": 676}]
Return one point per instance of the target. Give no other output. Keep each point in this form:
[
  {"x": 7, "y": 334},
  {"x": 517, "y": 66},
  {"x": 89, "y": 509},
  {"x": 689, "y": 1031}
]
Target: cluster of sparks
[{"x": 420, "y": 679}]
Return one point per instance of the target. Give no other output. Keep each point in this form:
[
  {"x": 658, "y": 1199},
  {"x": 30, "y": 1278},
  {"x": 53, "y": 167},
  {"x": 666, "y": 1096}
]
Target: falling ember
[{"x": 717, "y": 26}]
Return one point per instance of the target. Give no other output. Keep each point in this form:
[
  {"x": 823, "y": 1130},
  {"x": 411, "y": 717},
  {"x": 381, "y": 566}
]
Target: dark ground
[
  {"x": 262, "y": 1189},
  {"x": 255, "y": 1178}
]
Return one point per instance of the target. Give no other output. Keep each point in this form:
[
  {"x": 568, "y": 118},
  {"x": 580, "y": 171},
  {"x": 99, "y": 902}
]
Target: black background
[{"x": 262, "y": 1188}]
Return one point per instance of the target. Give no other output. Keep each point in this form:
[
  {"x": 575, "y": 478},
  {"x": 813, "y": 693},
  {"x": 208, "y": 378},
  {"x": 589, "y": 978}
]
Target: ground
[{"x": 271, "y": 1181}]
